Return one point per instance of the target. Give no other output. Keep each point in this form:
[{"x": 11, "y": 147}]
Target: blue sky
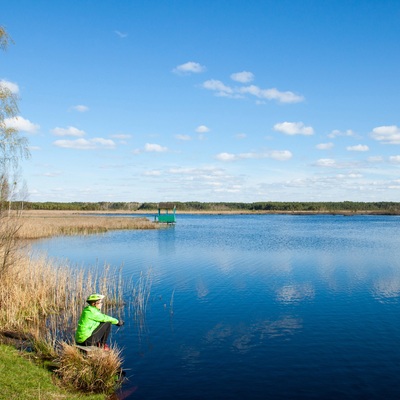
[{"x": 207, "y": 100}]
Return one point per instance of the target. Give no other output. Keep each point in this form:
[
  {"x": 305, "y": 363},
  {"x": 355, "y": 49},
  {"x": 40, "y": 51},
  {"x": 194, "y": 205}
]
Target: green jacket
[{"x": 90, "y": 319}]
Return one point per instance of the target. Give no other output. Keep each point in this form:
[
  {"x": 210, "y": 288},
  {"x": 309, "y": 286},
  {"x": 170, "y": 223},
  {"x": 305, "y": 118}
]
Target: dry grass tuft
[{"x": 97, "y": 371}]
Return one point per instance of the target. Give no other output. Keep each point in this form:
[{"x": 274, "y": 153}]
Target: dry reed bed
[
  {"x": 36, "y": 226},
  {"x": 46, "y": 299}
]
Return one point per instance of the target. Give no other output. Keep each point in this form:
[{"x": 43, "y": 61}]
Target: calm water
[{"x": 264, "y": 307}]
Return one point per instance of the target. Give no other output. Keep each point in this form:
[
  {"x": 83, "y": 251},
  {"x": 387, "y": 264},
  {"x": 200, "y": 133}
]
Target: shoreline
[{"x": 52, "y": 213}]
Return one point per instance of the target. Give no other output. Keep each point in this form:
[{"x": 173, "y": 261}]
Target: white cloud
[
  {"x": 202, "y": 129},
  {"x": 183, "y": 137},
  {"x": 226, "y": 157},
  {"x": 336, "y": 133},
  {"x": 326, "y": 162},
  {"x": 359, "y": 147},
  {"x": 280, "y": 155},
  {"x": 70, "y": 131},
  {"x": 240, "y": 136},
  {"x": 387, "y": 134},
  {"x": 121, "y": 34},
  {"x": 80, "y": 108},
  {"x": 219, "y": 87},
  {"x": 272, "y": 94},
  {"x": 189, "y": 68},
  {"x": 239, "y": 92},
  {"x": 152, "y": 147},
  {"x": 394, "y": 159},
  {"x": 21, "y": 124},
  {"x": 294, "y": 128},
  {"x": 85, "y": 144},
  {"x": 324, "y": 146},
  {"x": 11, "y": 86},
  {"x": 242, "y": 77}
]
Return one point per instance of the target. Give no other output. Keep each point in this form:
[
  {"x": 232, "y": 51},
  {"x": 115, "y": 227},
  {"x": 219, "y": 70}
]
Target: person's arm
[{"x": 100, "y": 317}]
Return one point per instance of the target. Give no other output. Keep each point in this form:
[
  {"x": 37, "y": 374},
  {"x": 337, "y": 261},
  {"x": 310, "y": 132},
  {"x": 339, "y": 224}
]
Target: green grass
[{"x": 21, "y": 379}]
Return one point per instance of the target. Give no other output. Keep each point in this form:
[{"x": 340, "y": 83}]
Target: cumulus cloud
[
  {"x": 153, "y": 147},
  {"x": 387, "y": 134},
  {"x": 220, "y": 88},
  {"x": 11, "y": 86},
  {"x": 223, "y": 90},
  {"x": 324, "y": 146},
  {"x": 331, "y": 163},
  {"x": 272, "y": 94},
  {"x": 190, "y": 67},
  {"x": 281, "y": 155},
  {"x": 21, "y": 124},
  {"x": 294, "y": 128},
  {"x": 359, "y": 147},
  {"x": 336, "y": 133},
  {"x": 226, "y": 157},
  {"x": 243, "y": 77},
  {"x": 85, "y": 144},
  {"x": 80, "y": 108},
  {"x": 326, "y": 162},
  {"x": 202, "y": 129},
  {"x": 69, "y": 131}
]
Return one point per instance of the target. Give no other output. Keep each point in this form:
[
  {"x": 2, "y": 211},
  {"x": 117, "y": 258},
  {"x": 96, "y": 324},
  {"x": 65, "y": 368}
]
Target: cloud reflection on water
[
  {"x": 243, "y": 338},
  {"x": 386, "y": 289},
  {"x": 295, "y": 293}
]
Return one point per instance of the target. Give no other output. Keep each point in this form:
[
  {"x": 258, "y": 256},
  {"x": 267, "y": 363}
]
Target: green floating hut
[{"x": 166, "y": 213}]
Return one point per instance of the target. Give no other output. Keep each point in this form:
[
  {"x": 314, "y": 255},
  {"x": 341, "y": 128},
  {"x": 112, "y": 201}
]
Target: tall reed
[{"x": 46, "y": 299}]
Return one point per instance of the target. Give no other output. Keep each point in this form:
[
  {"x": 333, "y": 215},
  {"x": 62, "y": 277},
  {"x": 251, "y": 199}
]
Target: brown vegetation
[
  {"x": 94, "y": 372},
  {"x": 36, "y": 225},
  {"x": 41, "y": 299}
]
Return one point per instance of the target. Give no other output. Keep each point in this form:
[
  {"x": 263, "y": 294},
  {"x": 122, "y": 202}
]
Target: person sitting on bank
[{"x": 94, "y": 326}]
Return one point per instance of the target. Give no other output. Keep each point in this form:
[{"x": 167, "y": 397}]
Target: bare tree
[{"x": 13, "y": 148}]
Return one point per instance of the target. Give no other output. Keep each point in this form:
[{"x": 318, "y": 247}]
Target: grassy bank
[{"x": 21, "y": 379}]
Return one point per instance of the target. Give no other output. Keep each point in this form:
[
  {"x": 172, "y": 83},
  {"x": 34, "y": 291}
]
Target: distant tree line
[{"x": 323, "y": 207}]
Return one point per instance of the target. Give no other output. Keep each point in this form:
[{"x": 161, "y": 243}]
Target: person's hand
[{"x": 120, "y": 322}]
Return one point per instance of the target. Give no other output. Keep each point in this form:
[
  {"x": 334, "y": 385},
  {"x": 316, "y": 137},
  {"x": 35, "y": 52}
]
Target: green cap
[{"x": 95, "y": 297}]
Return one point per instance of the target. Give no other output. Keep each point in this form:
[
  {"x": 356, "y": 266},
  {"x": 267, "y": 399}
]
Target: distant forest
[{"x": 268, "y": 206}]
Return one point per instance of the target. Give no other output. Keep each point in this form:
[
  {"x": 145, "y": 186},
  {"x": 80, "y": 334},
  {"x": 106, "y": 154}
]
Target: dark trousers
[{"x": 99, "y": 335}]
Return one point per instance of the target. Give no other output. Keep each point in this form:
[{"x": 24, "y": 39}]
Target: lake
[{"x": 263, "y": 306}]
